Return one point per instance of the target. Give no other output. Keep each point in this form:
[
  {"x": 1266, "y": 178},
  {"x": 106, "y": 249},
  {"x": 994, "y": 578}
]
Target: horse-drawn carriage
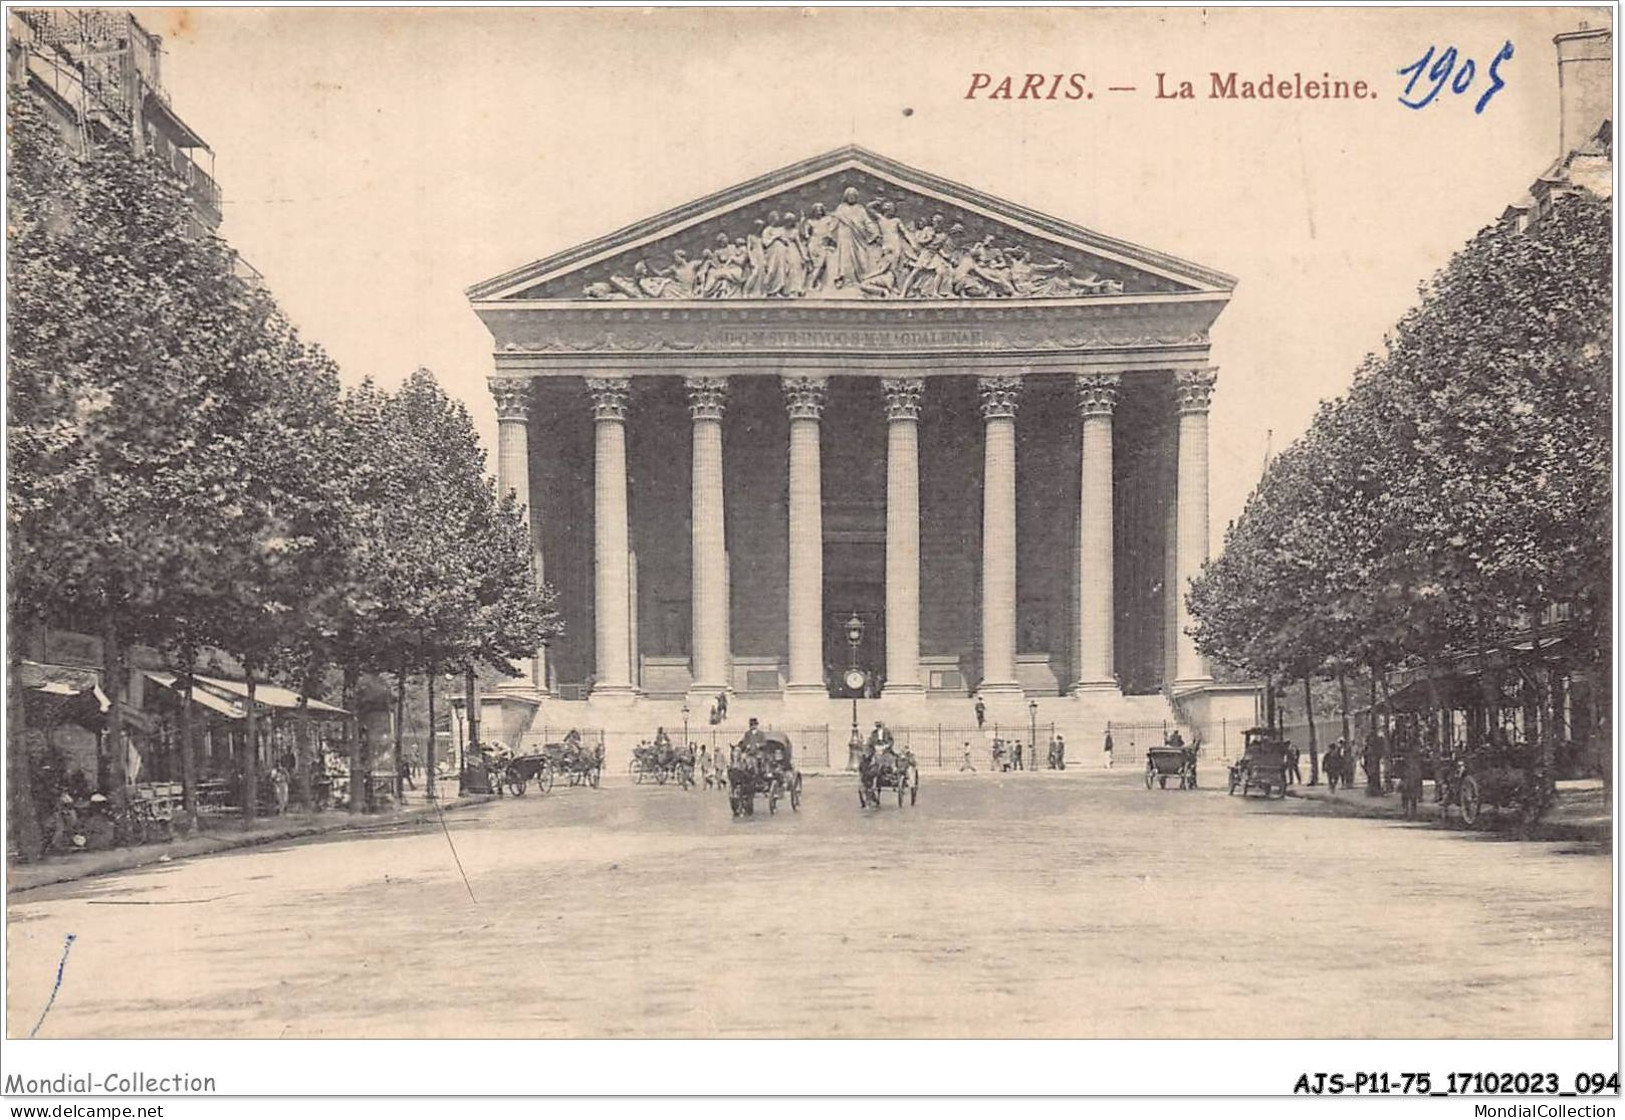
[
  {"x": 516, "y": 772},
  {"x": 887, "y": 769},
  {"x": 580, "y": 765},
  {"x": 1162, "y": 763},
  {"x": 1494, "y": 777},
  {"x": 1263, "y": 764},
  {"x": 765, "y": 768},
  {"x": 661, "y": 762}
]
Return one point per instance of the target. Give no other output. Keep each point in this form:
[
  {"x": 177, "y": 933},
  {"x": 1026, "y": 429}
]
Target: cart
[
  {"x": 1162, "y": 763},
  {"x": 1263, "y": 763}
]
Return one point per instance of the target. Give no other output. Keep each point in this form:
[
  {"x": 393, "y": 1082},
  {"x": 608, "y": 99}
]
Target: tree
[
  {"x": 1462, "y": 482},
  {"x": 117, "y": 317}
]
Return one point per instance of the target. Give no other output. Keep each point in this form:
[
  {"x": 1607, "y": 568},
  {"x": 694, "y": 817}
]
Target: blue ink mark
[
  {"x": 57, "y": 987},
  {"x": 1495, "y": 78},
  {"x": 1440, "y": 70}
]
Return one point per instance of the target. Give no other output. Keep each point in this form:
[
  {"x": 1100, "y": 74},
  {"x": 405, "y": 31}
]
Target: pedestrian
[
  {"x": 279, "y": 788},
  {"x": 705, "y": 767},
  {"x": 965, "y": 763},
  {"x": 1293, "y": 777},
  {"x": 998, "y": 755},
  {"x": 1017, "y": 754},
  {"x": 1060, "y": 752},
  {"x": 722, "y": 706},
  {"x": 1107, "y": 747},
  {"x": 981, "y": 712}
]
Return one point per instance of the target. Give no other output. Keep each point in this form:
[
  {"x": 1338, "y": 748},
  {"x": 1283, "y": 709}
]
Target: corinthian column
[
  {"x": 804, "y": 398},
  {"x": 513, "y": 399},
  {"x": 611, "y": 566},
  {"x": 1097, "y": 399},
  {"x": 903, "y": 534},
  {"x": 707, "y": 397},
  {"x": 999, "y": 398},
  {"x": 1193, "y": 389}
]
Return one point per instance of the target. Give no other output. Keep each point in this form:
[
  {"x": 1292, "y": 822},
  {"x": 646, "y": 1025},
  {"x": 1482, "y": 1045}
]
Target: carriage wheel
[
  {"x": 1280, "y": 790},
  {"x": 637, "y": 774},
  {"x": 1150, "y": 775},
  {"x": 515, "y": 783},
  {"x": 1472, "y": 801},
  {"x": 545, "y": 777},
  {"x": 795, "y": 795}
]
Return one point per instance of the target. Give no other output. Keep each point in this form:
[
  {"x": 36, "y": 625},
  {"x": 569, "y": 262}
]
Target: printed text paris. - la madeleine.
[{"x": 1215, "y": 85}]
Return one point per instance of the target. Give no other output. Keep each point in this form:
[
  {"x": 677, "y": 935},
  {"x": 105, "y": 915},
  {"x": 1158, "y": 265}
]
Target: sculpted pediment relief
[{"x": 851, "y": 226}]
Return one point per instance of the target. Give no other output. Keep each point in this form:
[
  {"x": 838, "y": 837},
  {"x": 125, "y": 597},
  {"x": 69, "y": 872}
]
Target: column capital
[
  {"x": 707, "y": 397},
  {"x": 804, "y": 396},
  {"x": 609, "y": 397},
  {"x": 1000, "y": 395},
  {"x": 513, "y": 397},
  {"x": 902, "y": 397},
  {"x": 1193, "y": 389},
  {"x": 1097, "y": 393}
]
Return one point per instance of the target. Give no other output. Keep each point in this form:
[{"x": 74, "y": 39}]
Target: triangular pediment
[{"x": 851, "y": 225}]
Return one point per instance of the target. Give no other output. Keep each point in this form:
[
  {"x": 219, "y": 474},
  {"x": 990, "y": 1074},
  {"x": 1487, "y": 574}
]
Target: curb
[
  {"x": 1576, "y": 831},
  {"x": 153, "y": 855}
]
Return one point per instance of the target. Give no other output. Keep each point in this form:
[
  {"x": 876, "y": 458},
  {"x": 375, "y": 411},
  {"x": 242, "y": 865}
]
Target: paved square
[{"x": 1075, "y": 904}]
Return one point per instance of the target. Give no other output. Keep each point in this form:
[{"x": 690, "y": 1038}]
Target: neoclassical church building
[{"x": 853, "y": 430}]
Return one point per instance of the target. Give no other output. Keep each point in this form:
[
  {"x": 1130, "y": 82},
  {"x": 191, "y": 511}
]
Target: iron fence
[{"x": 937, "y": 746}]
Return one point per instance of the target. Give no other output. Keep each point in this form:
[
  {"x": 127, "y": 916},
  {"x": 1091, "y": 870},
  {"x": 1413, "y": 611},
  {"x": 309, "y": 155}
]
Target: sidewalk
[
  {"x": 222, "y": 836},
  {"x": 1584, "y": 810}
]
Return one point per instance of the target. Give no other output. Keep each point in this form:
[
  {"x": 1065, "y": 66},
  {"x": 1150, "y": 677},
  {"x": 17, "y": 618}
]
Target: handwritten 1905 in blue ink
[{"x": 1443, "y": 69}]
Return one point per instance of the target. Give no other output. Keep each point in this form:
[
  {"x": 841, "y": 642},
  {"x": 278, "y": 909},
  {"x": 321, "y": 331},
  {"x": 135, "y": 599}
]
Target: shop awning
[
  {"x": 272, "y": 696},
  {"x": 202, "y": 697},
  {"x": 1455, "y": 691},
  {"x": 70, "y": 692},
  {"x": 230, "y": 698}
]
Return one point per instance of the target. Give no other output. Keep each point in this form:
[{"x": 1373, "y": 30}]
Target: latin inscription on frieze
[{"x": 804, "y": 338}]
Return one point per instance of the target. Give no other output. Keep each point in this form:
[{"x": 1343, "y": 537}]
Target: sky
[{"x": 376, "y": 162}]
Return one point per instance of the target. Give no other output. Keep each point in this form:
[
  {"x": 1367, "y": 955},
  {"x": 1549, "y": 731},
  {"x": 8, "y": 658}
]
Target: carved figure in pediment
[
  {"x": 857, "y": 242},
  {"x": 687, "y": 273},
  {"x": 724, "y": 269},
  {"x": 755, "y": 262},
  {"x": 662, "y": 284},
  {"x": 818, "y": 235},
  {"x": 893, "y": 245},
  {"x": 602, "y": 289},
  {"x": 930, "y": 272},
  {"x": 784, "y": 268}
]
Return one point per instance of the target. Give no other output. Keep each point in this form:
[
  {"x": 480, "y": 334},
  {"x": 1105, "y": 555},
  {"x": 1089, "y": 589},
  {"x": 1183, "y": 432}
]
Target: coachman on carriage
[
  {"x": 661, "y": 762},
  {"x": 581, "y": 765},
  {"x": 762, "y": 764},
  {"x": 881, "y": 766}
]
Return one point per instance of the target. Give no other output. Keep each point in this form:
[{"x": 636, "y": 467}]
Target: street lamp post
[
  {"x": 685, "y": 726},
  {"x": 854, "y": 683},
  {"x": 1032, "y": 734}
]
